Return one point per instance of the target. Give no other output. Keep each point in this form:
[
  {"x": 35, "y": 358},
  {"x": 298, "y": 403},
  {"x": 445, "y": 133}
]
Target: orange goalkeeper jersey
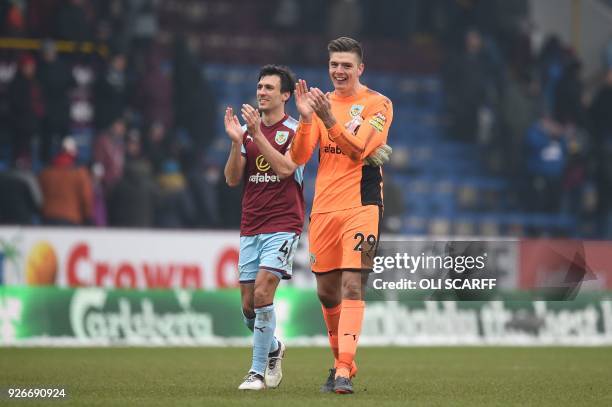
[{"x": 343, "y": 180}]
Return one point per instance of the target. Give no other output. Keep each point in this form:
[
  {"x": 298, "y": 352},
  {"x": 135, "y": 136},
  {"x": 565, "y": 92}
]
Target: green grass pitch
[{"x": 461, "y": 376}]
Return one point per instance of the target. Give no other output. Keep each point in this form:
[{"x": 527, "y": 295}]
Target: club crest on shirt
[
  {"x": 356, "y": 110},
  {"x": 281, "y": 137},
  {"x": 353, "y": 125}
]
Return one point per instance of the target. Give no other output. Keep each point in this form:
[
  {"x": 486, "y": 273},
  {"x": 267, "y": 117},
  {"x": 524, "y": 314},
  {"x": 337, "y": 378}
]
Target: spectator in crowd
[
  {"x": 156, "y": 145},
  {"x": 570, "y": 112},
  {"x": 550, "y": 64},
  {"x": 67, "y": 189},
  {"x": 286, "y": 14},
  {"x": 388, "y": 22},
  {"x": 521, "y": 57},
  {"x": 100, "y": 213},
  {"x": 194, "y": 102},
  {"x": 546, "y": 154},
  {"x": 27, "y": 106},
  {"x": 518, "y": 110},
  {"x": 143, "y": 22},
  {"x": 119, "y": 21},
  {"x": 72, "y": 22},
  {"x": 575, "y": 174},
  {"x": 608, "y": 54},
  {"x": 201, "y": 189},
  {"x": 40, "y": 16},
  {"x": 470, "y": 85},
  {"x": 394, "y": 207},
  {"x": 133, "y": 200},
  {"x": 345, "y": 18},
  {"x": 21, "y": 197},
  {"x": 176, "y": 208},
  {"x": 12, "y": 18},
  {"x": 111, "y": 92},
  {"x": 600, "y": 115},
  {"x": 462, "y": 14},
  {"x": 8, "y": 71},
  {"x": 23, "y": 170},
  {"x": 229, "y": 200},
  {"x": 156, "y": 89},
  {"x": 56, "y": 80},
  {"x": 109, "y": 150},
  {"x": 312, "y": 16},
  {"x": 568, "y": 106}
]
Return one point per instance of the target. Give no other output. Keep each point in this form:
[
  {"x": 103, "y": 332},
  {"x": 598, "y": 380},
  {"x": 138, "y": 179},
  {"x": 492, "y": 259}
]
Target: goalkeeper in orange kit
[{"x": 350, "y": 125}]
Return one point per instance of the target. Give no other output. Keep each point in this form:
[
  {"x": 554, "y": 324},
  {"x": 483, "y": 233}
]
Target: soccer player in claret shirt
[
  {"x": 351, "y": 126},
  {"x": 272, "y": 214}
]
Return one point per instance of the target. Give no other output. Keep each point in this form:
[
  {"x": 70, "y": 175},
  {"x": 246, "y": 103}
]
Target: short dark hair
[
  {"x": 346, "y": 44},
  {"x": 287, "y": 77}
]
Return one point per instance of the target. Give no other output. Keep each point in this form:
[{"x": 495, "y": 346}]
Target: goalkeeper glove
[{"x": 379, "y": 157}]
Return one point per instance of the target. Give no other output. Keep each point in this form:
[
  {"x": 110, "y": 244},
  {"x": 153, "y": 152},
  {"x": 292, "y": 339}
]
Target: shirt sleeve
[
  {"x": 305, "y": 140},
  {"x": 372, "y": 132},
  {"x": 243, "y": 151}
]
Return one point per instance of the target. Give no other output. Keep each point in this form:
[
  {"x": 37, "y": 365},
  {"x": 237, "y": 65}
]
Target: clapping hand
[
  {"x": 232, "y": 126},
  {"x": 252, "y": 118},
  {"x": 321, "y": 105},
  {"x": 302, "y": 100}
]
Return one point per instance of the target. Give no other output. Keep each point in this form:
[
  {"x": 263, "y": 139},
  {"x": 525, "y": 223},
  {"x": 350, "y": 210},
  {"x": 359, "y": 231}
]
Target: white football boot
[
  {"x": 252, "y": 381},
  {"x": 274, "y": 371}
]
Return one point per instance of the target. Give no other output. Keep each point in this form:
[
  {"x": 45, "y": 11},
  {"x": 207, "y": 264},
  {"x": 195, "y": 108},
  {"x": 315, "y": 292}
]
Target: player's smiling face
[
  {"x": 269, "y": 95},
  {"x": 345, "y": 68}
]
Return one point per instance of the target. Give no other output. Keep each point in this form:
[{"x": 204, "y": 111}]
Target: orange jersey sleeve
[
  {"x": 371, "y": 133},
  {"x": 343, "y": 181},
  {"x": 306, "y": 137}
]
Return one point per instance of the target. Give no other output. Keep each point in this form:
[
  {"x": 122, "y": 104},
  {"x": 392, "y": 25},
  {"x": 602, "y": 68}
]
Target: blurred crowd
[
  {"x": 544, "y": 128},
  {"x": 116, "y": 132},
  {"x": 143, "y": 97}
]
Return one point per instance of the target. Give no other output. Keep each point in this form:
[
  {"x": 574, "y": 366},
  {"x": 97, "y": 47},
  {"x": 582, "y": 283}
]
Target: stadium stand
[{"x": 448, "y": 183}]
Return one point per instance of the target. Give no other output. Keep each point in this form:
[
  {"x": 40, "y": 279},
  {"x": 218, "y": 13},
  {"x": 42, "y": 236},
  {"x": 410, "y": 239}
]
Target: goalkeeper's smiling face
[
  {"x": 345, "y": 68},
  {"x": 269, "y": 95}
]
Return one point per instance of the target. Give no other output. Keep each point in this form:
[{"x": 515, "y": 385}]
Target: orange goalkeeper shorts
[{"x": 344, "y": 240}]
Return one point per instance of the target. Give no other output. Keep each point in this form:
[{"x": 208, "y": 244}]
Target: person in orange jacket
[{"x": 67, "y": 189}]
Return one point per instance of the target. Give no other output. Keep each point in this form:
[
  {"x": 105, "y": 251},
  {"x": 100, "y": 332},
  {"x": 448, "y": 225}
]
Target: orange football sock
[
  {"x": 349, "y": 329},
  {"x": 332, "y": 316}
]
